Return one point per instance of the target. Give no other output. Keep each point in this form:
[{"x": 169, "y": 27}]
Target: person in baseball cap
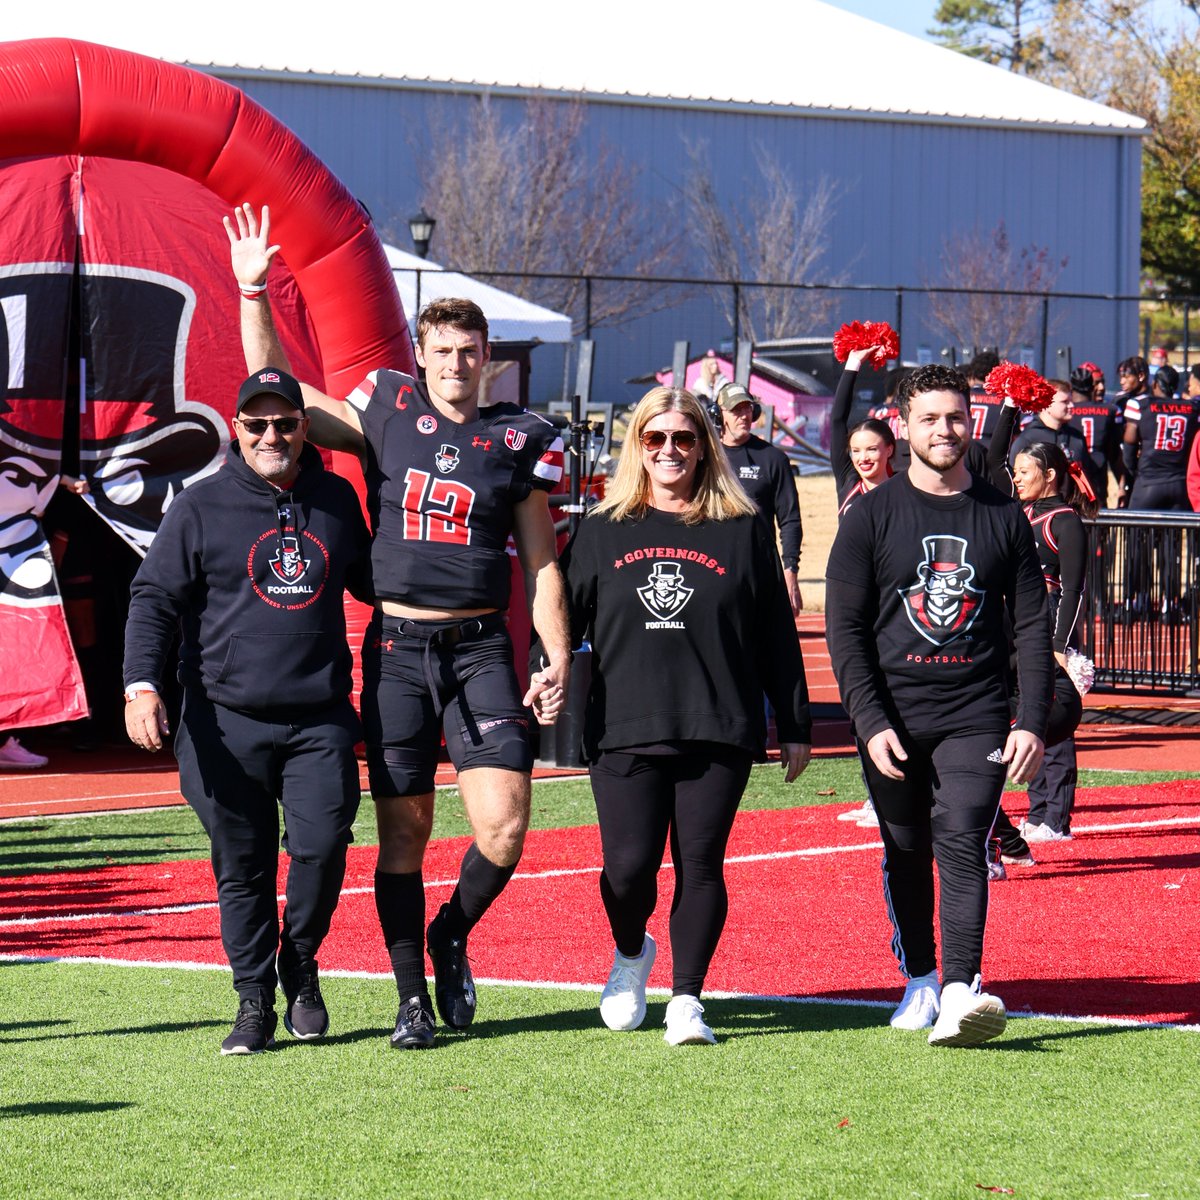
[{"x": 271, "y": 382}]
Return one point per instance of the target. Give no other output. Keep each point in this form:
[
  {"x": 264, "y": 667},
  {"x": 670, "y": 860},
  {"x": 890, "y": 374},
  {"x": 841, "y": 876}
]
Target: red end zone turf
[{"x": 1106, "y": 925}]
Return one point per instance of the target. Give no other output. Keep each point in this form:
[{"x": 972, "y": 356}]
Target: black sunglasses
[
  {"x": 683, "y": 439},
  {"x": 257, "y": 426}
]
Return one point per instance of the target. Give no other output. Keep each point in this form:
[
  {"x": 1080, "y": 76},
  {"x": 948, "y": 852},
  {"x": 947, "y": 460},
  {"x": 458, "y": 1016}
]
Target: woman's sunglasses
[
  {"x": 257, "y": 426},
  {"x": 681, "y": 439}
]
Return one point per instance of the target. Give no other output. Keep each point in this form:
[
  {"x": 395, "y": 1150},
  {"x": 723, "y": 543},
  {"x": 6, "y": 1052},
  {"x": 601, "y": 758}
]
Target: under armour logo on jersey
[
  {"x": 446, "y": 458},
  {"x": 481, "y": 443},
  {"x": 514, "y": 439},
  {"x": 997, "y": 755}
]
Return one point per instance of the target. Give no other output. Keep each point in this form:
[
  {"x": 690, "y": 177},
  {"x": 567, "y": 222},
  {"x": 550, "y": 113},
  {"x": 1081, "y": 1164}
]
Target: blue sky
[{"x": 912, "y": 16}]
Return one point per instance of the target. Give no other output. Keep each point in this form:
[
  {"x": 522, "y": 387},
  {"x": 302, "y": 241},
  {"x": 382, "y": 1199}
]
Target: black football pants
[
  {"x": 235, "y": 770},
  {"x": 941, "y": 811}
]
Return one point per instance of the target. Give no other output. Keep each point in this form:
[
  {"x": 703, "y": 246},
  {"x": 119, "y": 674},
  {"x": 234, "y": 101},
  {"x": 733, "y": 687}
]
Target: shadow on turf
[
  {"x": 166, "y": 1027},
  {"x": 61, "y": 1108},
  {"x": 43, "y": 856}
]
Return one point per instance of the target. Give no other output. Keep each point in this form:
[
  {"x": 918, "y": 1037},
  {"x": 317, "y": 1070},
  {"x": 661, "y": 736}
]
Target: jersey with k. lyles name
[
  {"x": 1166, "y": 428},
  {"x": 441, "y": 495},
  {"x": 689, "y": 625},
  {"x": 918, "y": 591}
]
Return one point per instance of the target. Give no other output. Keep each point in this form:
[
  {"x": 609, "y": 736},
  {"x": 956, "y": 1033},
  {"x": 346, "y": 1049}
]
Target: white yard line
[{"x": 594, "y": 986}]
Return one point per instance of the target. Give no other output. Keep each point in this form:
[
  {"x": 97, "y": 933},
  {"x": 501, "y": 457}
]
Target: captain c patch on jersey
[{"x": 943, "y": 605}]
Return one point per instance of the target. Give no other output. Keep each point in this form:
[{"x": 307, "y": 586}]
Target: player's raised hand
[{"x": 250, "y": 249}]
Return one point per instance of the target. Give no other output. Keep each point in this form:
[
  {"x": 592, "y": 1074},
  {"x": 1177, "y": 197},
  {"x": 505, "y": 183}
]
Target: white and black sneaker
[
  {"x": 920, "y": 1005},
  {"x": 305, "y": 1016},
  {"x": 253, "y": 1030}
]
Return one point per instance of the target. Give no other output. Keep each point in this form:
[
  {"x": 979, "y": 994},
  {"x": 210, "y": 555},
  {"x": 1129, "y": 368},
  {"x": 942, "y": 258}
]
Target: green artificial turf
[
  {"x": 168, "y": 835},
  {"x": 113, "y": 1087}
]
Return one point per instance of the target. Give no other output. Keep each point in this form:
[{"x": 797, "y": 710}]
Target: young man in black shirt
[{"x": 922, "y": 578}]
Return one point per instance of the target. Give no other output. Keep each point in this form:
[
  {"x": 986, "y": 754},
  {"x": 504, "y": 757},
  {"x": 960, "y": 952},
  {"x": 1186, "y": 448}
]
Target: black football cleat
[
  {"x": 453, "y": 984},
  {"x": 415, "y": 1026}
]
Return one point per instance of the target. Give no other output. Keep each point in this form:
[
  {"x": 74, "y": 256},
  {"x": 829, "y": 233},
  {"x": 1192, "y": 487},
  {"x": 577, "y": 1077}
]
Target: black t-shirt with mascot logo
[
  {"x": 441, "y": 495},
  {"x": 689, "y": 625},
  {"x": 919, "y": 587}
]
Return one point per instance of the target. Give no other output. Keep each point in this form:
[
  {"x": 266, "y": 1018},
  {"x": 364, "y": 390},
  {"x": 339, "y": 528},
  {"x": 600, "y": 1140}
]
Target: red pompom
[
  {"x": 1020, "y": 384},
  {"x": 859, "y": 335}
]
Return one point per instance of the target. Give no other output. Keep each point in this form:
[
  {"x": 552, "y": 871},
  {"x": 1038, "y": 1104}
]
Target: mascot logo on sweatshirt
[
  {"x": 289, "y": 564},
  {"x": 664, "y": 594},
  {"x": 943, "y": 605}
]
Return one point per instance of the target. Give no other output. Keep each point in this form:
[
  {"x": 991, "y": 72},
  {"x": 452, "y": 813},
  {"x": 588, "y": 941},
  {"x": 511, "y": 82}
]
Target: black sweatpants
[
  {"x": 942, "y": 811},
  {"x": 235, "y": 770},
  {"x": 692, "y": 797},
  {"x": 1052, "y": 789}
]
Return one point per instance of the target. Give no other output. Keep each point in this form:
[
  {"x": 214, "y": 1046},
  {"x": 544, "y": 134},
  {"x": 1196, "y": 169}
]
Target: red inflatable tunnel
[{"x": 65, "y": 97}]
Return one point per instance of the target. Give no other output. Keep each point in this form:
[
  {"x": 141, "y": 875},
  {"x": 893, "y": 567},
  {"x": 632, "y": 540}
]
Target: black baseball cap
[{"x": 270, "y": 382}]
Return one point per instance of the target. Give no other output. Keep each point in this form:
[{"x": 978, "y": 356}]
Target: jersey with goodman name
[{"x": 441, "y": 495}]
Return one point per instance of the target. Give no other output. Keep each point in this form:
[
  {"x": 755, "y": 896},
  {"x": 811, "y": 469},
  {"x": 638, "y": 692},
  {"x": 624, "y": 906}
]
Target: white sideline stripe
[
  {"x": 549, "y": 986},
  {"x": 83, "y": 799},
  {"x": 556, "y": 873}
]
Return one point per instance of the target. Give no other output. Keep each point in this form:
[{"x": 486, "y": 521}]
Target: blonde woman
[{"x": 676, "y": 582}]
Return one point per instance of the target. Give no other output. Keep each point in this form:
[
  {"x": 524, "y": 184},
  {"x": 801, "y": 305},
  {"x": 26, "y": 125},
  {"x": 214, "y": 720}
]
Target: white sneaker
[
  {"x": 1043, "y": 833},
  {"x": 969, "y": 1016},
  {"x": 623, "y": 1001},
  {"x": 857, "y": 814},
  {"x": 685, "y": 1024},
  {"x": 869, "y": 819},
  {"x": 919, "y": 1007},
  {"x": 14, "y": 757}
]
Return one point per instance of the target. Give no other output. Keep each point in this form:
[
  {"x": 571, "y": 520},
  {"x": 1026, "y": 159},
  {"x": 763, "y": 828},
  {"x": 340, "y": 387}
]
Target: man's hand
[
  {"x": 1023, "y": 752},
  {"x": 146, "y": 720},
  {"x": 548, "y": 692},
  {"x": 250, "y": 250},
  {"x": 793, "y": 757},
  {"x": 887, "y": 753},
  {"x": 792, "y": 582}
]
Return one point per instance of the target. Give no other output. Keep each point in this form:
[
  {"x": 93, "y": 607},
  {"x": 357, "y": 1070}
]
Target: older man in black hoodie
[{"x": 250, "y": 565}]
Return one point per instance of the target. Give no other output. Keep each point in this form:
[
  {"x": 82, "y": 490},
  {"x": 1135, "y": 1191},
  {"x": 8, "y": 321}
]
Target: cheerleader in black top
[
  {"x": 861, "y": 457},
  {"x": 1055, "y": 493}
]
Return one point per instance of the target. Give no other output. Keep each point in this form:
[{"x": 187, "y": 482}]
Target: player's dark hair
[
  {"x": 1194, "y": 372},
  {"x": 982, "y": 365},
  {"x": 1083, "y": 382},
  {"x": 1050, "y": 457},
  {"x": 934, "y": 377},
  {"x": 453, "y": 312},
  {"x": 1135, "y": 365},
  {"x": 1167, "y": 378}
]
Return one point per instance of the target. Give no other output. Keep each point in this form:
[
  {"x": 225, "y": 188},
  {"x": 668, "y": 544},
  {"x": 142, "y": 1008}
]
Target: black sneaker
[
  {"x": 453, "y": 984},
  {"x": 415, "y": 1026},
  {"x": 306, "y": 1016},
  {"x": 253, "y": 1030}
]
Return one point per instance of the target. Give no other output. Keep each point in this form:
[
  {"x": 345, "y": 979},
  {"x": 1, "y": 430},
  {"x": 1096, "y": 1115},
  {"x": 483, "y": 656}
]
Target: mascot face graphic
[
  {"x": 139, "y": 439},
  {"x": 943, "y": 605},
  {"x": 664, "y": 594},
  {"x": 289, "y": 565}
]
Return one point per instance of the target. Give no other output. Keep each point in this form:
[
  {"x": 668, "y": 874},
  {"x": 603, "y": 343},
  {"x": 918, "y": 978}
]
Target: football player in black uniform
[{"x": 447, "y": 484}]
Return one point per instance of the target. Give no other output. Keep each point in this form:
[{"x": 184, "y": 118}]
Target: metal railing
[{"x": 1142, "y": 608}]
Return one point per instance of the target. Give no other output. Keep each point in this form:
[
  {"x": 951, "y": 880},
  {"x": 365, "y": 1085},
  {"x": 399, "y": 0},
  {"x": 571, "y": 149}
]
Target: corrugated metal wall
[{"x": 903, "y": 187}]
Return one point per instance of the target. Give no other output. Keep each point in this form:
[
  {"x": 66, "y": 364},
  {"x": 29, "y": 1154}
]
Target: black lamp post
[{"x": 420, "y": 227}]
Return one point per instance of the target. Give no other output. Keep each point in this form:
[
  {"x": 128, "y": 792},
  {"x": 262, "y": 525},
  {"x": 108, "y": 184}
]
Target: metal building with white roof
[{"x": 921, "y": 143}]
